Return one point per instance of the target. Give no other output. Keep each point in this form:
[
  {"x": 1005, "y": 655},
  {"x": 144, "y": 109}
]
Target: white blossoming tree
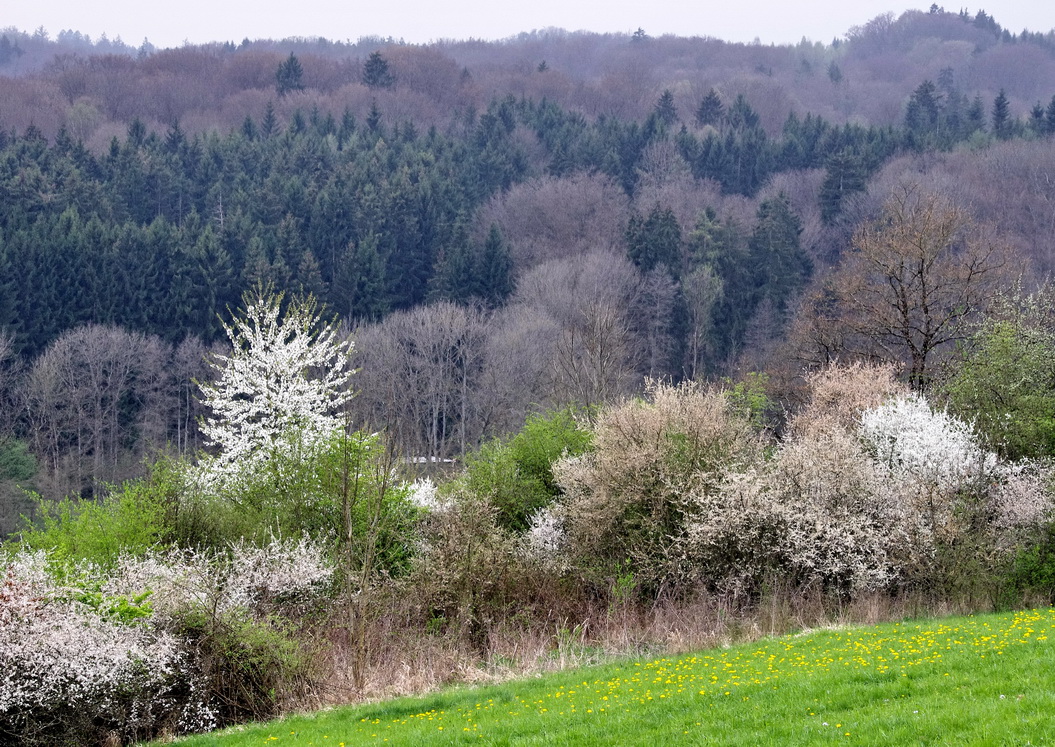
[{"x": 281, "y": 386}]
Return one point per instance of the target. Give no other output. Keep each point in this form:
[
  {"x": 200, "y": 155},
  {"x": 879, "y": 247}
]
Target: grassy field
[{"x": 974, "y": 680}]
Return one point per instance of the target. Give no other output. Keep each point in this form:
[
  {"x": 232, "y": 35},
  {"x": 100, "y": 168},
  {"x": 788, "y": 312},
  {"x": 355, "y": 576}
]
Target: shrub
[
  {"x": 342, "y": 488},
  {"x": 169, "y": 640},
  {"x": 657, "y": 467},
  {"x": 1004, "y": 383},
  {"x": 1033, "y": 567},
  {"x": 72, "y": 674},
  {"x": 516, "y": 477},
  {"x": 132, "y": 518},
  {"x": 466, "y": 570}
]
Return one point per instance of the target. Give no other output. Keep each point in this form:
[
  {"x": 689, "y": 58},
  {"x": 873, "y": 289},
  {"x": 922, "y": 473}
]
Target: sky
[{"x": 170, "y": 24}]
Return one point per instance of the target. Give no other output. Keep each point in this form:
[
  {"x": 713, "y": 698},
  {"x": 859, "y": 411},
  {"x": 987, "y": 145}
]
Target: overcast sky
[{"x": 168, "y": 24}]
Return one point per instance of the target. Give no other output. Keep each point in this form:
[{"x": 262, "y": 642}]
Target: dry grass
[{"x": 406, "y": 658}]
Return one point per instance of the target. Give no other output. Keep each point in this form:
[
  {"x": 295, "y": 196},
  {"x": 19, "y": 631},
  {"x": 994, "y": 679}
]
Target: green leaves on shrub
[
  {"x": 516, "y": 476},
  {"x": 131, "y": 519}
]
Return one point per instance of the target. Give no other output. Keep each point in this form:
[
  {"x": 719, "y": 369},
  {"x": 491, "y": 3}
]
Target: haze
[{"x": 420, "y": 21}]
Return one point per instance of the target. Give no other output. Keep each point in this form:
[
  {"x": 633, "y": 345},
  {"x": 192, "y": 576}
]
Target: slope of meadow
[{"x": 969, "y": 680}]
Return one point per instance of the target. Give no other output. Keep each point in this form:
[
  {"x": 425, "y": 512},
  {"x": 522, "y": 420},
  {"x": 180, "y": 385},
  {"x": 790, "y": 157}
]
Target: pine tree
[
  {"x": 358, "y": 288},
  {"x": 976, "y": 116},
  {"x": 494, "y": 269},
  {"x": 665, "y": 110},
  {"x": 780, "y": 265},
  {"x": 655, "y": 241},
  {"x": 1049, "y": 117},
  {"x": 846, "y": 174},
  {"x": 269, "y": 124},
  {"x": 1002, "y": 125},
  {"x": 710, "y": 110}
]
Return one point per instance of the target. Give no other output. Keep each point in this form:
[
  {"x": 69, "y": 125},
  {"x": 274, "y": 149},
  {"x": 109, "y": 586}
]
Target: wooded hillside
[{"x": 539, "y": 221}]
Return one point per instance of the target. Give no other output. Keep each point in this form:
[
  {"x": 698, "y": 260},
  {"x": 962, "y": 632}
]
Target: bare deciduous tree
[
  {"x": 80, "y": 393},
  {"x": 909, "y": 284}
]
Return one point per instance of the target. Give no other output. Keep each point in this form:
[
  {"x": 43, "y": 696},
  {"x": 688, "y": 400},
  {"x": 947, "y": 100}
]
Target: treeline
[
  {"x": 492, "y": 261},
  {"x": 97, "y": 87},
  {"x": 163, "y": 232}
]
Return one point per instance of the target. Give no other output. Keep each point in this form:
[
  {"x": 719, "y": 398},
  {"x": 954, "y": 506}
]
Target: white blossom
[
  {"x": 57, "y": 653},
  {"x": 1022, "y": 496},
  {"x": 545, "y": 539},
  {"x": 285, "y": 375},
  {"x": 911, "y": 439},
  {"x": 422, "y": 493}
]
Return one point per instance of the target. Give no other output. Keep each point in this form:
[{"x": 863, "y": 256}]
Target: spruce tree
[
  {"x": 1002, "y": 125},
  {"x": 494, "y": 269},
  {"x": 665, "y": 110},
  {"x": 289, "y": 76},
  {"x": 710, "y": 110},
  {"x": 376, "y": 73}
]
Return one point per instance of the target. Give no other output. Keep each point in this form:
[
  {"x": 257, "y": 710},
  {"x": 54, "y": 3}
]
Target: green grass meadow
[{"x": 987, "y": 679}]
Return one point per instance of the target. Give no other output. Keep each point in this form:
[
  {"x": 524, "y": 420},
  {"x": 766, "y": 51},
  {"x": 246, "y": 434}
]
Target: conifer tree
[
  {"x": 376, "y": 73},
  {"x": 710, "y": 110},
  {"x": 1002, "y": 125},
  {"x": 289, "y": 76}
]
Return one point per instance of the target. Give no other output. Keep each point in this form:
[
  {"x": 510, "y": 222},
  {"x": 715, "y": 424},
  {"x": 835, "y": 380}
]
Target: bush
[
  {"x": 1004, "y": 384},
  {"x": 467, "y": 570},
  {"x": 71, "y": 674},
  {"x": 869, "y": 489},
  {"x": 1033, "y": 568},
  {"x": 304, "y": 489},
  {"x": 170, "y": 641},
  {"x": 656, "y": 468},
  {"x": 516, "y": 477},
  {"x": 131, "y": 519}
]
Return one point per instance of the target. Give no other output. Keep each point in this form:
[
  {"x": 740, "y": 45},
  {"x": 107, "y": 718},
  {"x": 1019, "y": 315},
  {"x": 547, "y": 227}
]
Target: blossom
[{"x": 285, "y": 375}]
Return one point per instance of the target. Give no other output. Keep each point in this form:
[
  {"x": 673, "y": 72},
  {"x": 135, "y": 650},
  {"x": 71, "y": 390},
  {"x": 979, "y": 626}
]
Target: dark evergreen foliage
[
  {"x": 289, "y": 76},
  {"x": 376, "y": 73}
]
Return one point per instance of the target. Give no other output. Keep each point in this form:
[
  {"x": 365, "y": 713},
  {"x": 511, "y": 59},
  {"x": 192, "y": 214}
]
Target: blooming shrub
[
  {"x": 1022, "y": 499},
  {"x": 869, "y": 488},
  {"x": 168, "y": 640},
  {"x": 842, "y": 524},
  {"x": 657, "y": 467},
  {"x": 544, "y": 541},
  {"x": 910, "y": 438},
  {"x": 70, "y": 673}
]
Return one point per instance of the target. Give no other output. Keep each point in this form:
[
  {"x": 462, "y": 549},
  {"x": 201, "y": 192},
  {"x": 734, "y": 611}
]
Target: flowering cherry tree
[{"x": 279, "y": 388}]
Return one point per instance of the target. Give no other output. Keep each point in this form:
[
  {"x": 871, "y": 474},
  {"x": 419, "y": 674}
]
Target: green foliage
[
  {"x": 1033, "y": 567},
  {"x": 132, "y": 518},
  {"x": 122, "y": 608},
  {"x": 1003, "y": 124},
  {"x": 781, "y": 266},
  {"x": 376, "y": 73},
  {"x": 710, "y": 110},
  {"x": 250, "y": 665},
  {"x": 750, "y": 400},
  {"x": 341, "y": 488},
  {"x": 289, "y": 76},
  {"x": 16, "y": 461},
  {"x": 1005, "y": 384},
  {"x": 516, "y": 476},
  {"x": 655, "y": 240}
]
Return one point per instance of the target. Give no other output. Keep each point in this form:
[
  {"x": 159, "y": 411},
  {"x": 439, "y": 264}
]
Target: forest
[{"x": 577, "y": 301}]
